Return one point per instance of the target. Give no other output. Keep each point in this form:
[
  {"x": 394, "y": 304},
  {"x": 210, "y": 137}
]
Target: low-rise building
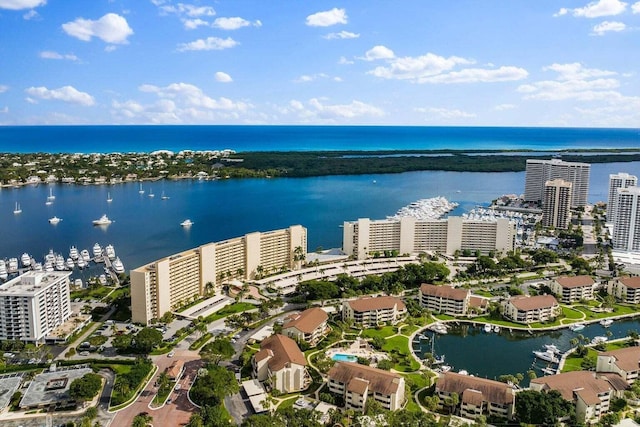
[
  {"x": 591, "y": 395},
  {"x": 444, "y": 299},
  {"x": 571, "y": 289},
  {"x": 476, "y": 395},
  {"x": 374, "y": 311},
  {"x": 358, "y": 383},
  {"x": 310, "y": 326},
  {"x": 530, "y": 309},
  {"x": 625, "y": 289},
  {"x": 624, "y": 362},
  {"x": 281, "y": 364}
]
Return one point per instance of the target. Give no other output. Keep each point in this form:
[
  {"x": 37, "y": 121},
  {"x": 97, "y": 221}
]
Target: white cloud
[
  {"x": 111, "y": 28},
  {"x": 182, "y": 9},
  {"x": 65, "y": 93},
  {"x": 210, "y": 43},
  {"x": 445, "y": 113},
  {"x": 32, "y": 14},
  {"x": 346, "y": 111},
  {"x": 4, "y": 88},
  {"x": 596, "y": 9},
  {"x": 49, "y": 54},
  {"x": 635, "y": 8},
  {"x": 478, "y": 75},
  {"x": 192, "y": 24},
  {"x": 378, "y": 52},
  {"x": 311, "y": 77},
  {"x": 223, "y": 77},
  {"x": 193, "y": 96},
  {"x": 608, "y": 26},
  {"x": 233, "y": 23},
  {"x": 327, "y": 18},
  {"x": 504, "y": 107},
  {"x": 21, "y": 4},
  {"x": 575, "y": 71},
  {"x": 341, "y": 35}
]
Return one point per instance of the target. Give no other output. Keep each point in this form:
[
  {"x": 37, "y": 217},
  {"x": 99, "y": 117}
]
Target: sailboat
[
  {"x": 151, "y": 193},
  {"x": 164, "y": 197},
  {"x": 141, "y": 191},
  {"x": 51, "y": 197},
  {"x": 17, "y": 210},
  {"x": 109, "y": 199}
]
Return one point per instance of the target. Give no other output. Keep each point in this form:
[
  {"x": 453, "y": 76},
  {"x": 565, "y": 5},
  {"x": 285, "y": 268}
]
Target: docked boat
[
  {"x": 48, "y": 266},
  {"x": 102, "y": 279},
  {"x": 50, "y": 257},
  {"x": 117, "y": 266},
  {"x": 81, "y": 263},
  {"x": 37, "y": 266},
  {"x": 78, "y": 283},
  {"x": 97, "y": 250},
  {"x": 54, "y": 220},
  {"x": 440, "y": 328},
  {"x": 186, "y": 223},
  {"x": 552, "y": 348},
  {"x": 547, "y": 356},
  {"x": 488, "y": 328},
  {"x": 70, "y": 264},
  {"x": 577, "y": 327},
  {"x": 496, "y": 329},
  {"x": 3, "y": 270},
  {"x": 599, "y": 340},
  {"x": 73, "y": 253},
  {"x": 606, "y": 322},
  {"x": 17, "y": 209},
  {"x": 12, "y": 265},
  {"x": 104, "y": 220},
  {"x": 84, "y": 254},
  {"x": 110, "y": 252},
  {"x": 60, "y": 263},
  {"x": 548, "y": 371},
  {"x": 25, "y": 259}
]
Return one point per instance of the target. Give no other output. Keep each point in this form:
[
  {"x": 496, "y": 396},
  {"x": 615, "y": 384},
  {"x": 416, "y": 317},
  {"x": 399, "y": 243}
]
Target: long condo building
[
  {"x": 33, "y": 305},
  {"x": 165, "y": 284},
  {"x": 617, "y": 180},
  {"x": 409, "y": 235},
  {"x": 540, "y": 171},
  {"x": 626, "y": 226},
  {"x": 556, "y": 208}
]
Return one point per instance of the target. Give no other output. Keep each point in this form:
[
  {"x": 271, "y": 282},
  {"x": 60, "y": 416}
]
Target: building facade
[
  {"x": 310, "y": 326},
  {"x": 165, "y": 284},
  {"x": 626, "y": 225},
  {"x": 625, "y": 289},
  {"x": 530, "y": 309},
  {"x": 33, "y": 305},
  {"x": 358, "y": 383},
  {"x": 540, "y": 171},
  {"x": 624, "y": 362},
  {"x": 409, "y": 235},
  {"x": 476, "y": 395},
  {"x": 281, "y": 363},
  {"x": 571, "y": 289},
  {"x": 617, "y": 180},
  {"x": 374, "y": 311},
  {"x": 444, "y": 299},
  {"x": 556, "y": 206}
]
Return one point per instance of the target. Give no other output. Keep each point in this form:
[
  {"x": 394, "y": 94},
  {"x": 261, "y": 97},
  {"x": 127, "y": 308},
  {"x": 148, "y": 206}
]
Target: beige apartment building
[
  {"x": 445, "y": 299},
  {"x": 530, "y": 309},
  {"x": 556, "y": 207},
  {"x": 571, "y": 289},
  {"x": 625, "y": 289},
  {"x": 374, "y": 311},
  {"x": 409, "y": 235},
  {"x": 165, "y": 284}
]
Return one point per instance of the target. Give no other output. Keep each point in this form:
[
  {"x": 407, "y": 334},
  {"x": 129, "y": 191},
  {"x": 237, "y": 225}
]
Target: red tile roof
[
  {"x": 581, "y": 383},
  {"x": 627, "y": 359},
  {"x": 527, "y": 303},
  {"x": 376, "y": 303},
  {"x": 307, "y": 321},
  {"x": 284, "y": 351},
  {"x": 630, "y": 282},
  {"x": 444, "y": 291},
  {"x": 379, "y": 381},
  {"x": 575, "y": 281},
  {"x": 492, "y": 391}
]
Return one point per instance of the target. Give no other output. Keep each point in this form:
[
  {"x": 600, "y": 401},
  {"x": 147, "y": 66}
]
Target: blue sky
[{"x": 411, "y": 62}]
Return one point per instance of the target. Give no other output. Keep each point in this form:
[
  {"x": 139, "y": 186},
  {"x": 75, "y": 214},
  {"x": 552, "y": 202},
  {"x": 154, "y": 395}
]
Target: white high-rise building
[
  {"x": 540, "y": 171},
  {"x": 556, "y": 210},
  {"x": 618, "y": 180},
  {"x": 33, "y": 305},
  {"x": 626, "y": 228}
]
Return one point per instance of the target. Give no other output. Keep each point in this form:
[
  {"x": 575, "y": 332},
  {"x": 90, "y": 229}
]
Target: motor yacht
[
  {"x": 117, "y": 266},
  {"x": 25, "y": 259},
  {"x": 104, "y": 220},
  {"x": 186, "y": 223},
  {"x": 97, "y": 250},
  {"x": 54, "y": 220},
  {"x": 84, "y": 254},
  {"x": 73, "y": 253},
  {"x": 110, "y": 252}
]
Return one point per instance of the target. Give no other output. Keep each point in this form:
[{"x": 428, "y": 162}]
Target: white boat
[
  {"x": 12, "y": 265},
  {"x": 186, "y": 223},
  {"x": 496, "y": 329},
  {"x": 50, "y": 257},
  {"x": 548, "y": 371},
  {"x": 18, "y": 209},
  {"x": 440, "y": 328},
  {"x": 77, "y": 283},
  {"x": 70, "y": 264},
  {"x": 37, "y": 266},
  {"x": 109, "y": 199},
  {"x": 606, "y": 322},
  {"x": 48, "y": 202},
  {"x": 164, "y": 196},
  {"x": 51, "y": 197},
  {"x": 54, "y": 220},
  {"x": 97, "y": 250},
  {"x": 104, "y": 220},
  {"x": 102, "y": 279},
  {"x": 141, "y": 191},
  {"x": 48, "y": 266},
  {"x": 151, "y": 193},
  {"x": 3, "y": 270},
  {"x": 117, "y": 266},
  {"x": 110, "y": 252},
  {"x": 81, "y": 263},
  {"x": 25, "y": 259},
  {"x": 487, "y": 328},
  {"x": 59, "y": 263},
  {"x": 547, "y": 356},
  {"x": 576, "y": 327},
  {"x": 552, "y": 348},
  {"x": 599, "y": 340},
  {"x": 84, "y": 254},
  {"x": 73, "y": 253}
]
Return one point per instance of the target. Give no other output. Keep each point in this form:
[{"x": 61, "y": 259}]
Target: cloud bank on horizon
[{"x": 511, "y": 63}]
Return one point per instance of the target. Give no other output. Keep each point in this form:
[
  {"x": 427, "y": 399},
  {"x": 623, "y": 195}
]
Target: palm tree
[{"x": 259, "y": 271}]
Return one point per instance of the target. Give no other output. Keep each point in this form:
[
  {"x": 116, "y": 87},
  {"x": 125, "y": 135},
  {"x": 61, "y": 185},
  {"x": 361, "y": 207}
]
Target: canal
[{"x": 489, "y": 355}]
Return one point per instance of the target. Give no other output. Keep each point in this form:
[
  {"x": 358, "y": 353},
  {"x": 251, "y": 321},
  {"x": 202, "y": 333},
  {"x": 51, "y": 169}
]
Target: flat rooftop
[
  {"x": 51, "y": 387},
  {"x": 32, "y": 282},
  {"x": 8, "y": 385}
]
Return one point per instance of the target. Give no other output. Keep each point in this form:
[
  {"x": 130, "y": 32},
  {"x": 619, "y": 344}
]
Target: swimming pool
[{"x": 338, "y": 357}]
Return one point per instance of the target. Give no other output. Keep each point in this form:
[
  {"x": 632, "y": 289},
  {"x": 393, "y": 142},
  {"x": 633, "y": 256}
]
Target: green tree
[
  {"x": 143, "y": 419},
  {"x": 534, "y": 407},
  {"x": 147, "y": 339},
  {"x": 217, "y": 350},
  {"x": 86, "y": 387}
]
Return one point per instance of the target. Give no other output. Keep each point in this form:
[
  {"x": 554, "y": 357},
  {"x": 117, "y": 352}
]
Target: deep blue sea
[{"x": 104, "y": 139}]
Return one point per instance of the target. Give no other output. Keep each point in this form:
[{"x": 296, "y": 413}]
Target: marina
[{"x": 433, "y": 208}]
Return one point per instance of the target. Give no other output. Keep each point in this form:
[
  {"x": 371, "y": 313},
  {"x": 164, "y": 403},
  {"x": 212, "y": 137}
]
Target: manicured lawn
[
  {"x": 160, "y": 398},
  {"x": 398, "y": 343},
  {"x": 573, "y": 363},
  {"x": 238, "y": 307},
  {"x": 384, "y": 332},
  {"x": 571, "y": 313},
  {"x": 483, "y": 293},
  {"x": 420, "y": 380},
  {"x": 288, "y": 403},
  {"x": 408, "y": 330},
  {"x": 89, "y": 293}
]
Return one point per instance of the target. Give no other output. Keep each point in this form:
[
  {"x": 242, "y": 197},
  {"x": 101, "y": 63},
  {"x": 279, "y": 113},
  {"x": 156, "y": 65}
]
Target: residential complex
[
  {"x": 530, "y": 309},
  {"x": 310, "y": 326},
  {"x": 618, "y": 180},
  {"x": 374, "y": 311},
  {"x": 626, "y": 225},
  {"x": 33, "y": 305},
  {"x": 165, "y": 284},
  {"x": 571, "y": 289},
  {"x": 624, "y": 362},
  {"x": 625, "y": 289},
  {"x": 282, "y": 364},
  {"x": 409, "y": 235},
  {"x": 445, "y": 299},
  {"x": 540, "y": 171},
  {"x": 556, "y": 206},
  {"x": 476, "y": 395},
  {"x": 358, "y": 383}
]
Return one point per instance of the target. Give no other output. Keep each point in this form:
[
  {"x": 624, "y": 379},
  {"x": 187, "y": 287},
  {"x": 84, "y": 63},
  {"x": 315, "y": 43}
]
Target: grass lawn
[
  {"x": 408, "y": 330},
  {"x": 571, "y": 313},
  {"x": 288, "y": 403},
  {"x": 573, "y": 363},
  {"x": 384, "y": 332},
  {"x": 235, "y": 308},
  {"x": 483, "y": 293},
  {"x": 398, "y": 343},
  {"x": 159, "y": 398},
  {"x": 89, "y": 293},
  {"x": 419, "y": 380}
]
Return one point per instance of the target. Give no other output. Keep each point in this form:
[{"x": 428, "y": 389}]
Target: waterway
[{"x": 489, "y": 355}]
